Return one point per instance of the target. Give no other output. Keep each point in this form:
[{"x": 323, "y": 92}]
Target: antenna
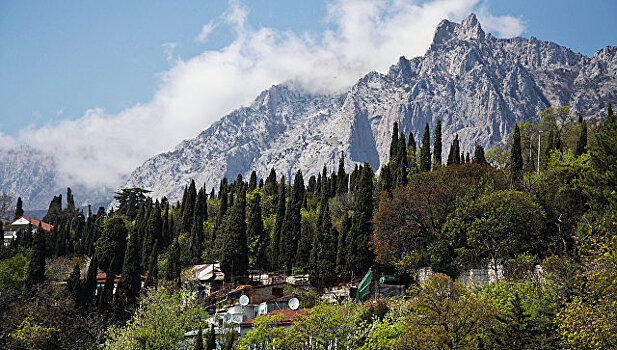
[
  {"x": 244, "y": 300},
  {"x": 293, "y": 303}
]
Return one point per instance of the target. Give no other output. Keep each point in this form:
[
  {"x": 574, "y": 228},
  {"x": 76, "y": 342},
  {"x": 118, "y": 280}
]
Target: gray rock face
[
  {"x": 478, "y": 85},
  {"x": 31, "y": 174}
]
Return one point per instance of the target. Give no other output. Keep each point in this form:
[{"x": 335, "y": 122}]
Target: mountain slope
[{"x": 477, "y": 84}]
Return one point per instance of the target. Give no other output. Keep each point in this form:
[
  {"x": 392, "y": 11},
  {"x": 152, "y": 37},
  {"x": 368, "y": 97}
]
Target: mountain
[
  {"x": 479, "y": 86},
  {"x": 32, "y": 174}
]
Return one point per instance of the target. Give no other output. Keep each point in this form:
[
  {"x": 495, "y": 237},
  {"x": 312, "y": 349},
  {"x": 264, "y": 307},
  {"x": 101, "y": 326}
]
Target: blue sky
[{"x": 81, "y": 76}]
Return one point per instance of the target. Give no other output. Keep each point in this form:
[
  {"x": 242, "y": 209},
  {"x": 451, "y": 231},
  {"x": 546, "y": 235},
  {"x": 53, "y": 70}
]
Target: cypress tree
[
  {"x": 200, "y": 214},
  {"x": 198, "y": 341},
  {"x": 153, "y": 268},
  {"x": 394, "y": 144},
  {"x": 278, "y": 225},
  {"x": 467, "y": 158},
  {"x": 188, "y": 206},
  {"x": 602, "y": 179},
  {"x": 211, "y": 339},
  {"x": 341, "y": 258},
  {"x": 462, "y": 159},
  {"x": 253, "y": 181},
  {"x": 232, "y": 246},
  {"x": 36, "y": 267},
  {"x": 323, "y": 253},
  {"x": 19, "y": 211},
  {"x": 437, "y": 146},
  {"x": 130, "y": 281},
  {"x": 342, "y": 177},
  {"x": 172, "y": 270},
  {"x": 107, "y": 294},
  {"x": 73, "y": 285},
  {"x": 516, "y": 157},
  {"x": 385, "y": 178},
  {"x": 270, "y": 185},
  {"x": 581, "y": 144},
  {"x": 478, "y": 155},
  {"x": 70, "y": 201},
  {"x": 153, "y": 233},
  {"x": 425, "y": 150},
  {"x": 359, "y": 255},
  {"x": 411, "y": 153},
  {"x": 222, "y": 209},
  {"x": 89, "y": 284},
  {"x": 112, "y": 243},
  {"x": 401, "y": 175},
  {"x": 550, "y": 144},
  {"x": 258, "y": 239}
]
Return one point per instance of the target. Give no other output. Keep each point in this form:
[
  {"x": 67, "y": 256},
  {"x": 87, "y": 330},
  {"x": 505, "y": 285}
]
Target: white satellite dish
[
  {"x": 293, "y": 303},
  {"x": 244, "y": 300}
]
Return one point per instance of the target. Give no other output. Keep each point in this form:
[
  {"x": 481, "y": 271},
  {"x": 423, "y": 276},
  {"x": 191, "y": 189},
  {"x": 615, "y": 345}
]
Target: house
[
  {"x": 287, "y": 319},
  {"x": 206, "y": 278},
  {"x": 22, "y": 223},
  {"x": 101, "y": 277}
]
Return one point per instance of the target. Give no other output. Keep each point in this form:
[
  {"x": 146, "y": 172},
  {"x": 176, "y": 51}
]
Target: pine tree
[
  {"x": 359, "y": 255},
  {"x": 253, "y": 181},
  {"x": 258, "y": 239},
  {"x": 478, "y": 155},
  {"x": 130, "y": 281},
  {"x": 36, "y": 267},
  {"x": 516, "y": 157},
  {"x": 437, "y": 146},
  {"x": 278, "y": 225},
  {"x": 19, "y": 211},
  {"x": 581, "y": 144},
  {"x": 425, "y": 150}
]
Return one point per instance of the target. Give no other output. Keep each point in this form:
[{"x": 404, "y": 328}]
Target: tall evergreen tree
[
  {"x": 188, "y": 206},
  {"x": 258, "y": 239},
  {"x": 342, "y": 178},
  {"x": 211, "y": 339},
  {"x": 153, "y": 233},
  {"x": 394, "y": 144},
  {"x": 341, "y": 248},
  {"x": 200, "y": 214},
  {"x": 401, "y": 174},
  {"x": 70, "y": 201},
  {"x": 112, "y": 243},
  {"x": 172, "y": 270},
  {"x": 602, "y": 179},
  {"x": 411, "y": 153},
  {"x": 270, "y": 185},
  {"x": 516, "y": 157},
  {"x": 35, "y": 272},
  {"x": 89, "y": 284},
  {"x": 232, "y": 246},
  {"x": 323, "y": 253},
  {"x": 107, "y": 294},
  {"x": 478, "y": 155},
  {"x": 153, "y": 268},
  {"x": 19, "y": 211},
  {"x": 278, "y": 225},
  {"x": 550, "y": 144},
  {"x": 73, "y": 285},
  {"x": 437, "y": 146},
  {"x": 291, "y": 231},
  {"x": 130, "y": 281},
  {"x": 385, "y": 178},
  {"x": 198, "y": 342},
  {"x": 253, "y": 181},
  {"x": 359, "y": 255},
  {"x": 425, "y": 150},
  {"x": 218, "y": 224},
  {"x": 581, "y": 143}
]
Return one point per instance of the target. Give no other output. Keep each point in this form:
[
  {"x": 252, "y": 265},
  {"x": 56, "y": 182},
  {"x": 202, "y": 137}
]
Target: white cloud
[
  {"x": 168, "y": 49},
  {"x": 205, "y": 32},
  {"x": 102, "y": 149}
]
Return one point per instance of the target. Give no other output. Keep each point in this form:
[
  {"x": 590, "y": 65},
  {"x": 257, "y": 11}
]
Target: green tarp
[{"x": 364, "y": 288}]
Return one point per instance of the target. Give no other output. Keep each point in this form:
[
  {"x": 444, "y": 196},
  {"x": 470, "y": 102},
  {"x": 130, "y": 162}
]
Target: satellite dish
[
  {"x": 244, "y": 300},
  {"x": 293, "y": 303}
]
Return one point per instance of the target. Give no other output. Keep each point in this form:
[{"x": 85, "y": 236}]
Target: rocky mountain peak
[{"x": 469, "y": 29}]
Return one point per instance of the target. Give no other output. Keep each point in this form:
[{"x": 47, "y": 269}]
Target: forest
[{"x": 542, "y": 207}]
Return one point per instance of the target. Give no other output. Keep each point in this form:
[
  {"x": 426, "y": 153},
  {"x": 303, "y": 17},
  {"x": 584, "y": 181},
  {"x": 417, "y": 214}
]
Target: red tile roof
[
  {"x": 45, "y": 226},
  {"x": 289, "y": 316},
  {"x": 101, "y": 277}
]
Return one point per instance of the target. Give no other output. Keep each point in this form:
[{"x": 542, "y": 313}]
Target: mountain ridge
[{"x": 477, "y": 84}]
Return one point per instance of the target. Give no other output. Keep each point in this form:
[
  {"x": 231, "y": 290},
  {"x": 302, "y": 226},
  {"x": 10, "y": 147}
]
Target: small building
[
  {"x": 22, "y": 223},
  {"x": 101, "y": 277},
  {"x": 287, "y": 319},
  {"x": 206, "y": 279}
]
